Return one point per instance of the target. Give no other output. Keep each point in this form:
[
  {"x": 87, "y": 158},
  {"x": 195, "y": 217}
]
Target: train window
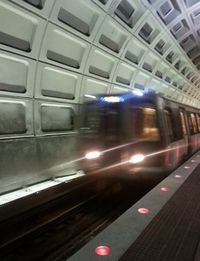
[
  {"x": 170, "y": 131},
  {"x": 194, "y": 123},
  {"x": 91, "y": 121},
  {"x": 190, "y": 124},
  {"x": 198, "y": 121},
  {"x": 183, "y": 123},
  {"x": 101, "y": 120},
  {"x": 143, "y": 123},
  {"x": 149, "y": 123},
  {"x": 111, "y": 124}
]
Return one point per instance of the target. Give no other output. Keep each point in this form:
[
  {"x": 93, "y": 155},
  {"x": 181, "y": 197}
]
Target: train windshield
[
  {"x": 111, "y": 121},
  {"x": 144, "y": 122},
  {"x": 101, "y": 120}
]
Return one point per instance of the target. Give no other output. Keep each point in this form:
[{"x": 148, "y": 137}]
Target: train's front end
[
  {"x": 101, "y": 133},
  {"x": 120, "y": 133}
]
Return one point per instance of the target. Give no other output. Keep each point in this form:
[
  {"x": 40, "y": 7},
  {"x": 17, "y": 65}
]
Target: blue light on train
[
  {"x": 138, "y": 92},
  {"x": 112, "y": 99}
]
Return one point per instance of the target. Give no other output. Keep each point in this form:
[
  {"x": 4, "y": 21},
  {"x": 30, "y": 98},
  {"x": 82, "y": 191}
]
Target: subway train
[{"x": 137, "y": 132}]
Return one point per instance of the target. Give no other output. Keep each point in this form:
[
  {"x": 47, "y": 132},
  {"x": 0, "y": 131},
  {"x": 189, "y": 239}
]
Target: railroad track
[{"x": 55, "y": 230}]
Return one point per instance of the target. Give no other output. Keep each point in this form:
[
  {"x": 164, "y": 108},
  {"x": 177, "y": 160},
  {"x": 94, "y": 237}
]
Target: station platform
[{"x": 162, "y": 226}]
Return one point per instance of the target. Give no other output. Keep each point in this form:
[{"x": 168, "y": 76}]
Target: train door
[
  {"x": 144, "y": 134},
  {"x": 193, "y": 131},
  {"x": 173, "y": 154},
  {"x": 198, "y": 125},
  {"x": 185, "y": 132}
]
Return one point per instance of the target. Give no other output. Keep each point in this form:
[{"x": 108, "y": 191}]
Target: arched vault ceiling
[
  {"x": 181, "y": 18},
  {"x": 71, "y": 50}
]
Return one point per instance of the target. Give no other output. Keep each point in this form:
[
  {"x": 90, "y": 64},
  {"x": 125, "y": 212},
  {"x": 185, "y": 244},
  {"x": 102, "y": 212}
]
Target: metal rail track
[{"x": 54, "y": 231}]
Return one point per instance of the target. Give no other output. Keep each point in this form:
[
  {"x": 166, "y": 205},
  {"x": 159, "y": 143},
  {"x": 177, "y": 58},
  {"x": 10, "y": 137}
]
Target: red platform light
[
  {"x": 193, "y": 160},
  {"x": 178, "y": 176},
  {"x": 164, "y": 189},
  {"x": 102, "y": 250},
  {"x": 186, "y": 167},
  {"x": 143, "y": 210}
]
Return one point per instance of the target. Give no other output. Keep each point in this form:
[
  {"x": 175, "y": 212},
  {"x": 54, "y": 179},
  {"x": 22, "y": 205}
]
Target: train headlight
[
  {"x": 136, "y": 158},
  {"x": 93, "y": 154}
]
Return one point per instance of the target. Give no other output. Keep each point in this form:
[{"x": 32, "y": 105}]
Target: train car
[{"x": 137, "y": 132}]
